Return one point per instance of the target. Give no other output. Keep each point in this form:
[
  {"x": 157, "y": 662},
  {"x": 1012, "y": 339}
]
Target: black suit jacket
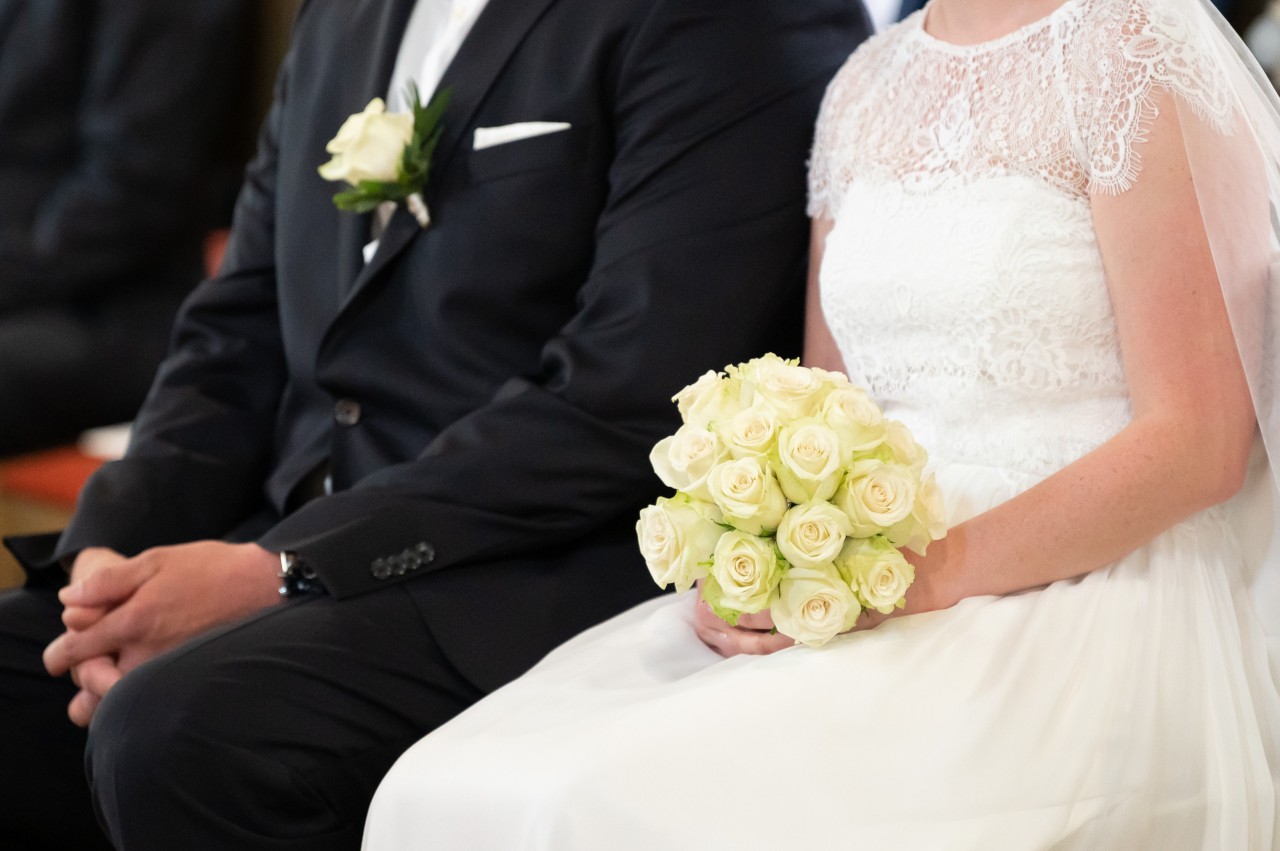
[{"x": 487, "y": 391}]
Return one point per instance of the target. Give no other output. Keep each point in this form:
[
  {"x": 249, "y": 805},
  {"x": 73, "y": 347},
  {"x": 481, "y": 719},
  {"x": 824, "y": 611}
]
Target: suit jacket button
[
  {"x": 380, "y": 569},
  {"x": 346, "y": 412}
]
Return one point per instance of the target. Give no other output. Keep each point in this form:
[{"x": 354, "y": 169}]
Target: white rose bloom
[
  {"x": 929, "y": 508},
  {"x": 753, "y": 431},
  {"x": 678, "y": 539},
  {"x": 814, "y": 605},
  {"x": 749, "y": 372},
  {"x": 712, "y": 399},
  {"x": 683, "y": 460},
  {"x": 809, "y": 461},
  {"x": 794, "y": 391},
  {"x": 690, "y": 398},
  {"x": 927, "y": 521},
  {"x": 748, "y": 494},
  {"x": 832, "y": 380},
  {"x": 369, "y": 145},
  {"x": 876, "y": 571},
  {"x": 876, "y": 496},
  {"x": 812, "y": 534},
  {"x": 747, "y": 570},
  {"x": 903, "y": 446},
  {"x": 858, "y": 420}
]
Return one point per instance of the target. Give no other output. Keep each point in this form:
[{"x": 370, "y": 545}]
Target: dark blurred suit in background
[{"x": 115, "y": 117}]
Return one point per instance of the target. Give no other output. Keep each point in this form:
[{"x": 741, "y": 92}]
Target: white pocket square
[{"x": 487, "y": 137}]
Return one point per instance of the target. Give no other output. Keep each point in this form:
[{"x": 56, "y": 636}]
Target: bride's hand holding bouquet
[{"x": 795, "y": 498}]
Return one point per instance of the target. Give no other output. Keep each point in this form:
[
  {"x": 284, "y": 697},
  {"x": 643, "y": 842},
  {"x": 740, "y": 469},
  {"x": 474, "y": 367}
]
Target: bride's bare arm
[
  {"x": 1188, "y": 444},
  {"x": 820, "y": 347}
]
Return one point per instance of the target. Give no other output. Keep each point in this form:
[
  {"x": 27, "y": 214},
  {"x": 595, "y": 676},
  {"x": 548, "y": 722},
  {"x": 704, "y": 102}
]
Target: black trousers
[{"x": 272, "y": 733}]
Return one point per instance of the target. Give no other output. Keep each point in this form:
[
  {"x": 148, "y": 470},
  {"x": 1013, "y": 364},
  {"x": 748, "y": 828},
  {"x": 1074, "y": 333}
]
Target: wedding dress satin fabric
[{"x": 1133, "y": 707}]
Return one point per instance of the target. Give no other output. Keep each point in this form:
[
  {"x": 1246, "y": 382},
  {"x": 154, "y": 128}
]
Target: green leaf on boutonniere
[
  {"x": 411, "y": 170},
  {"x": 366, "y": 196},
  {"x": 415, "y": 164}
]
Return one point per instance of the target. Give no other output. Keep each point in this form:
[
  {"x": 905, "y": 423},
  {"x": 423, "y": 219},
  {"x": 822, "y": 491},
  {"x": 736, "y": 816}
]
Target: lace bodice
[
  {"x": 1065, "y": 99},
  {"x": 962, "y": 279}
]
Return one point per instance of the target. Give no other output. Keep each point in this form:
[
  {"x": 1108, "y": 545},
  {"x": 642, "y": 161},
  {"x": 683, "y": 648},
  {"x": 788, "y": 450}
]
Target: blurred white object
[
  {"x": 883, "y": 12},
  {"x": 108, "y": 442},
  {"x": 1263, "y": 39}
]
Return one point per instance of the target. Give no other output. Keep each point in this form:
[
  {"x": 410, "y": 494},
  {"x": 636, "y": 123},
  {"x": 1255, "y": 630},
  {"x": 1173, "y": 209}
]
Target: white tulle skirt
[{"x": 1134, "y": 708}]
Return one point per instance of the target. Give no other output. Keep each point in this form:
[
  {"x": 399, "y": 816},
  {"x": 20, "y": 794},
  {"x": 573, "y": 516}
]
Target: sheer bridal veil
[{"x": 1235, "y": 165}]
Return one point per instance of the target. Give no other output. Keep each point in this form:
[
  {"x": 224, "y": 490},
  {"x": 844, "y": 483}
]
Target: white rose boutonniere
[{"x": 386, "y": 156}]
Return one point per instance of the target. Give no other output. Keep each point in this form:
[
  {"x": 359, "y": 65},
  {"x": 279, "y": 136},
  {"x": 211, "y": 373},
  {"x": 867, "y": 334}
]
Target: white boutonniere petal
[{"x": 386, "y": 156}]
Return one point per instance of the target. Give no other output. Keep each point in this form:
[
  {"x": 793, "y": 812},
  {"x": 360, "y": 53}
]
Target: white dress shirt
[{"x": 435, "y": 31}]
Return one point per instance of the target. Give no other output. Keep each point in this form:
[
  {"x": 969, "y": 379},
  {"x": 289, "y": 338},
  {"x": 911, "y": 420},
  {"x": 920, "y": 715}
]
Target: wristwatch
[{"x": 297, "y": 578}]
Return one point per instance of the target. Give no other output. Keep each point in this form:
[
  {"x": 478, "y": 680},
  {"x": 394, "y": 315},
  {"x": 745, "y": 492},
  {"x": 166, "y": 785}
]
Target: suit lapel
[
  {"x": 376, "y": 26},
  {"x": 493, "y": 39}
]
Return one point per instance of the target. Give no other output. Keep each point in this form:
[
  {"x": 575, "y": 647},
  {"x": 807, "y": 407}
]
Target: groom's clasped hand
[{"x": 119, "y": 612}]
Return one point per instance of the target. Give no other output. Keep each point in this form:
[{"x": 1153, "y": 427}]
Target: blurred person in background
[
  {"x": 1263, "y": 38},
  {"x": 113, "y": 119}
]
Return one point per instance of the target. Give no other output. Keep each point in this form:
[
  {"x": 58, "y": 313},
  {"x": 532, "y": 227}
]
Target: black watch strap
[{"x": 297, "y": 577}]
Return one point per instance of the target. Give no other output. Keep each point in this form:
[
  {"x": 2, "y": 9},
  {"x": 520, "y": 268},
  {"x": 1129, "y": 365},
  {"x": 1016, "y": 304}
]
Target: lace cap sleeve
[
  {"x": 825, "y": 185},
  {"x": 1130, "y": 54}
]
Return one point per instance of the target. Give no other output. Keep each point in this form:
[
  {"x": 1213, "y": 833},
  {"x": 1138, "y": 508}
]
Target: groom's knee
[
  {"x": 216, "y": 745},
  {"x": 172, "y": 761},
  {"x": 138, "y": 745}
]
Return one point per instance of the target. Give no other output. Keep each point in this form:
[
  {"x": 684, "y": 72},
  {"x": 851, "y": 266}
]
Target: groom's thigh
[
  {"x": 44, "y": 799},
  {"x": 272, "y": 733}
]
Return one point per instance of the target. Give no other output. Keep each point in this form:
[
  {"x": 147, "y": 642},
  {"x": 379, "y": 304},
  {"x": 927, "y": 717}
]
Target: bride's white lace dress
[{"x": 1134, "y": 708}]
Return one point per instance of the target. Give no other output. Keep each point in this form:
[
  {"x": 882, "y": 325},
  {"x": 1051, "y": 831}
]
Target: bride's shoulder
[
  {"x": 1129, "y": 48},
  {"x": 1154, "y": 32},
  {"x": 1123, "y": 60}
]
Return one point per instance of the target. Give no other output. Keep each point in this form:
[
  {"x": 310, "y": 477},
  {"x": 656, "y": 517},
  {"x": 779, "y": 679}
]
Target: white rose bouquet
[{"x": 794, "y": 494}]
